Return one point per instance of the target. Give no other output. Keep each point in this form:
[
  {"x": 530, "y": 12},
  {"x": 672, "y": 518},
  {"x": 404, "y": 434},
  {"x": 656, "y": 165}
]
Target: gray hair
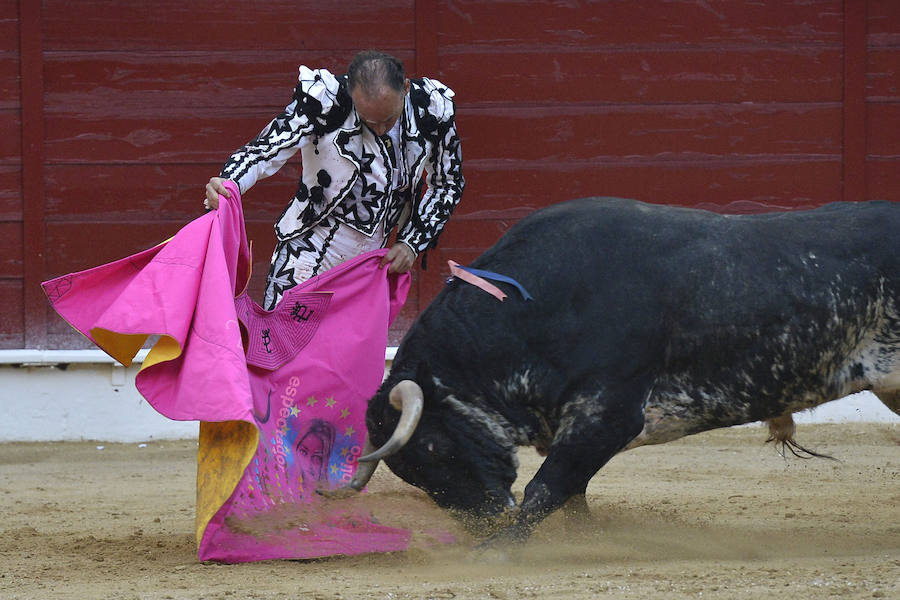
[{"x": 371, "y": 69}]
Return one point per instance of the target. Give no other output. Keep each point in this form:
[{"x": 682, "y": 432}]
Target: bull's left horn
[
  {"x": 407, "y": 397},
  {"x": 364, "y": 472}
]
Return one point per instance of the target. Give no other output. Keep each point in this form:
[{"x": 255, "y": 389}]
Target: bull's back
[
  {"x": 616, "y": 272},
  {"x": 606, "y": 250}
]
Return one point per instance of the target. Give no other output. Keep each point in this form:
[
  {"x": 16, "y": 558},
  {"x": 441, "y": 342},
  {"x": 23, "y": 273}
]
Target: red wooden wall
[{"x": 115, "y": 113}]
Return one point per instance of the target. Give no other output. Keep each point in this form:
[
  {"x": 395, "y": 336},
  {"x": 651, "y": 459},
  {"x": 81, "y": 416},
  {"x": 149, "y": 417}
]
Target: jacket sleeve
[
  {"x": 443, "y": 173},
  {"x": 308, "y": 114}
]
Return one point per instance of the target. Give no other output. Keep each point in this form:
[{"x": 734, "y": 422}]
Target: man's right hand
[{"x": 213, "y": 189}]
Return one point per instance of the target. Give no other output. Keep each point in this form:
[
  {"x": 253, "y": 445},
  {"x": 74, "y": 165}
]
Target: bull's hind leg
[{"x": 592, "y": 430}]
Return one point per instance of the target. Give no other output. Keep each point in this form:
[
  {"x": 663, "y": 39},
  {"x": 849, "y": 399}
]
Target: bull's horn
[
  {"x": 364, "y": 472},
  {"x": 406, "y": 397}
]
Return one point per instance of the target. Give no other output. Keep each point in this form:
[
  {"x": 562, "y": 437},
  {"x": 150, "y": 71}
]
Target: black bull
[{"x": 648, "y": 323}]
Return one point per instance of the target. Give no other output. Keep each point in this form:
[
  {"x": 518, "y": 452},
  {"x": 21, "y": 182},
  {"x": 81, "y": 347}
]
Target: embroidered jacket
[{"x": 322, "y": 123}]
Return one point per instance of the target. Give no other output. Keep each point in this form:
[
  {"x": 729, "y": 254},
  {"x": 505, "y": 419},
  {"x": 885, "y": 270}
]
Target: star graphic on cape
[
  {"x": 295, "y": 411},
  {"x": 349, "y": 431},
  {"x": 345, "y": 413},
  {"x": 311, "y": 401},
  {"x": 329, "y": 402}
]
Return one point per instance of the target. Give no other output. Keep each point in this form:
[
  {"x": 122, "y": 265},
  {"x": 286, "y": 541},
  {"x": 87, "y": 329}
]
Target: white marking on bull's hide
[
  {"x": 659, "y": 427},
  {"x": 580, "y": 411},
  {"x": 675, "y": 412},
  {"x": 875, "y": 366},
  {"x": 496, "y": 425},
  {"x": 518, "y": 386},
  {"x": 855, "y": 347},
  {"x": 520, "y": 389}
]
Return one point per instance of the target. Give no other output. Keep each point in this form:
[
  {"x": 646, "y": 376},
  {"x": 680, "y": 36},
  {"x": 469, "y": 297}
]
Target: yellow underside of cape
[{"x": 225, "y": 450}]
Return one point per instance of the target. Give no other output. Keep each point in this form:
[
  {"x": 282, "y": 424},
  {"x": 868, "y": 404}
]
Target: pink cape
[{"x": 281, "y": 395}]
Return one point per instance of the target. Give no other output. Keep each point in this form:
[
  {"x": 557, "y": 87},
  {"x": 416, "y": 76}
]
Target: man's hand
[
  {"x": 213, "y": 189},
  {"x": 401, "y": 258}
]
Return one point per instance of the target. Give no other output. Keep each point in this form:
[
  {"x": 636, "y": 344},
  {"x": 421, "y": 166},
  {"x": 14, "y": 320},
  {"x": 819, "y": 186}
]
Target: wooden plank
[
  {"x": 510, "y": 23},
  {"x": 173, "y": 138},
  {"x": 426, "y": 63},
  {"x": 883, "y": 23},
  {"x": 883, "y": 179},
  {"x": 12, "y": 325},
  {"x": 731, "y": 186},
  {"x": 12, "y": 297},
  {"x": 150, "y": 193},
  {"x": 67, "y": 251},
  {"x": 10, "y": 143},
  {"x": 138, "y": 107},
  {"x": 9, "y": 27},
  {"x": 9, "y": 81},
  {"x": 176, "y": 137},
  {"x": 151, "y": 81},
  {"x": 551, "y": 75},
  {"x": 11, "y": 193},
  {"x": 174, "y": 193},
  {"x": 65, "y": 339},
  {"x": 11, "y": 263},
  {"x": 882, "y": 128},
  {"x": 854, "y": 130},
  {"x": 31, "y": 52},
  {"x": 272, "y": 25},
  {"x": 883, "y": 76},
  {"x": 109, "y": 241},
  {"x": 181, "y": 135},
  {"x": 571, "y": 131},
  {"x": 471, "y": 231}
]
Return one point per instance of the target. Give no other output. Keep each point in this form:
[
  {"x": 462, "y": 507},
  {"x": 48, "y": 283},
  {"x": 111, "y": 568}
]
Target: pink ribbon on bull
[{"x": 493, "y": 290}]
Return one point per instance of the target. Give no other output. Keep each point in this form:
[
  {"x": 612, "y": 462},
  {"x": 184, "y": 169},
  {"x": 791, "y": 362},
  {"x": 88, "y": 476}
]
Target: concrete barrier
[{"x": 60, "y": 395}]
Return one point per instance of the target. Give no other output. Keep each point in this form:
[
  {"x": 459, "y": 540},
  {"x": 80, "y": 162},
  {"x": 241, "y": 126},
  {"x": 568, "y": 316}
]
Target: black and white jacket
[{"x": 322, "y": 123}]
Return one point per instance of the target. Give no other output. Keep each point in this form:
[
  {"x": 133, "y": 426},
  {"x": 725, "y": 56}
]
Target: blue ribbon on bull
[{"x": 482, "y": 274}]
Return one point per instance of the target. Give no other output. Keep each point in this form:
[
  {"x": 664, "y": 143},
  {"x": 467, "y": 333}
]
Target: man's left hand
[{"x": 401, "y": 258}]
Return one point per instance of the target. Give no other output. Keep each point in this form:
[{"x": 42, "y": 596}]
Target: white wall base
[
  {"x": 80, "y": 402},
  {"x": 83, "y": 395}
]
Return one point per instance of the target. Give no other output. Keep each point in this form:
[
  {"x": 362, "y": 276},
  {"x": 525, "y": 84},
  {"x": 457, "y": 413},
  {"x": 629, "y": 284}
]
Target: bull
[{"x": 648, "y": 323}]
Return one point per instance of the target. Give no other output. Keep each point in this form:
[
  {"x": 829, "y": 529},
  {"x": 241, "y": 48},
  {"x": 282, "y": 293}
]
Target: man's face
[{"x": 380, "y": 109}]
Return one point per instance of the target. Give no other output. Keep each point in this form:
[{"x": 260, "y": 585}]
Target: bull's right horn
[
  {"x": 407, "y": 397},
  {"x": 364, "y": 472}
]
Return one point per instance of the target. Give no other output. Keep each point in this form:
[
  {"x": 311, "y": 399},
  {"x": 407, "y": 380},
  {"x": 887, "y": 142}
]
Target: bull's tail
[{"x": 781, "y": 431}]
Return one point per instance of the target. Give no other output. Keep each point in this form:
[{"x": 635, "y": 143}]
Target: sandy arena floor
[{"x": 718, "y": 515}]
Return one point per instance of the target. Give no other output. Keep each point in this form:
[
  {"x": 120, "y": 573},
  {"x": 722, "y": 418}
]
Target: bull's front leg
[{"x": 591, "y": 432}]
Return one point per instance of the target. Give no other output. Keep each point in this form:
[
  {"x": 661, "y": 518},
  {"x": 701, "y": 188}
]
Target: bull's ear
[{"x": 425, "y": 380}]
